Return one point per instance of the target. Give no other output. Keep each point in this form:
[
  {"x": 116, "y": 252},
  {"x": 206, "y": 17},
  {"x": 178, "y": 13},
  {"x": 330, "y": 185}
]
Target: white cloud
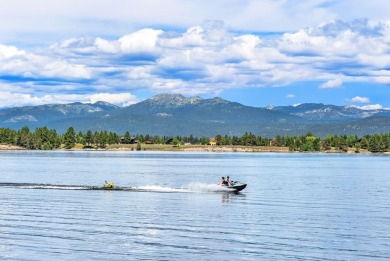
[
  {"x": 61, "y": 19},
  {"x": 371, "y": 107},
  {"x": 7, "y": 52},
  {"x": 204, "y": 59},
  {"x": 108, "y": 17},
  {"x": 20, "y": 63},
  {"x": 290, "y": 96},
  {"x": 122, "y": 99},
  {"x": 210, "y": 54},
  {"x": 331, "y": 84},
  {"x": 14, "y": 99},
  {"x": 142, "y": 41},
  {"x": 105, "y": 46},
  {"x": 360, "y": 99}
]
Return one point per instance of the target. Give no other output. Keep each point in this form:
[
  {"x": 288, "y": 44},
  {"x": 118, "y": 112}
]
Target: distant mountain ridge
[
  {"x": 45, "y": 114},
  {"x": 318, "y": 112},
  {"x": 174, "y": 114}
]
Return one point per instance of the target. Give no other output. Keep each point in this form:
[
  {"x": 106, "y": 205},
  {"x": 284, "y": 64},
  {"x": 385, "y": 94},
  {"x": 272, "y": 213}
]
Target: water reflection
[{"x": 227, "y": 198}]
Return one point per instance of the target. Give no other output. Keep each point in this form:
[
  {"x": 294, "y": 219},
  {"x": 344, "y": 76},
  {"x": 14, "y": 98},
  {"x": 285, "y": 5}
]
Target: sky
[{"x": 255, "y": 52}]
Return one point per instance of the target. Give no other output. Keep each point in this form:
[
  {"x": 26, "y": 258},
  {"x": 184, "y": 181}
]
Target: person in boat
[
  {"x": 224, "y": 182},
  {"x": 108, "y": 184},
  {"x": 228, "y": 181}
]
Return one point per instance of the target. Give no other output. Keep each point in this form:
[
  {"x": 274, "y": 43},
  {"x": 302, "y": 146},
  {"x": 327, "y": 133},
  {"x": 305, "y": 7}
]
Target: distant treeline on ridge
[{"x": 45, "y": 139}]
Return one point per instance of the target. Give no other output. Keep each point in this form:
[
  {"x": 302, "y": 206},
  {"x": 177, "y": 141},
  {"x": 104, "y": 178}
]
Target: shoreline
[
  {"x": 194, "y": 148},
  {"x": 11, "y": 147}
]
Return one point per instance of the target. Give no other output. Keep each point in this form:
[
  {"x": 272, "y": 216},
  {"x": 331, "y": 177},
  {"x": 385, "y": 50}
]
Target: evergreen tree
[
  {"x": 204, "y": 140},
  {"x": 24, "y": 137},
  {"x": 112, "y": 138},
  {"x": 8, "y": 136},
  {"x": 89, "y": 138},
  {"x": 218, "y": 139},
  {"x": 235, "y": 140},
  {"x": 373, "y": 144},
  {"x": 158, "y": 140},
  {"x": 70, "y": 138},
  {"x": 364, "y": 142},
  {"x": 103, "y": 139},
  {"x": 176, "y": 141},
  {"x": 127, "y": 138},
  {"x": 80, "y": 138},
  {"x": 96, "y": 139},
  {"x": 357, "y": 147},
  {"x": 326, "y": 144}
]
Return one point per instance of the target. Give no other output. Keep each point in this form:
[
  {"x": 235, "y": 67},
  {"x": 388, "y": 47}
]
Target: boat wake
[
  {"x": 191, "y": 188},
  {"x": 159, "y": 189},
  {"x": 202, "y": 187}
]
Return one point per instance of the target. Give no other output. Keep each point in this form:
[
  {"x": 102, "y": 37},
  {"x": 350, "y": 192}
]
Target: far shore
[
  {"x": 190, "y": 148},
  {"x": 11, "y": 147}
]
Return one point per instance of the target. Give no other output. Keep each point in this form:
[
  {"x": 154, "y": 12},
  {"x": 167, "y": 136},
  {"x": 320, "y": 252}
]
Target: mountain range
[{"x": 174, "y": 114}]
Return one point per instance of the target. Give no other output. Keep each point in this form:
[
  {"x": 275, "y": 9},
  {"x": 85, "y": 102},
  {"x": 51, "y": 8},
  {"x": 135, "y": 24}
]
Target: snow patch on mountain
[{"x": 21, "y": 118}]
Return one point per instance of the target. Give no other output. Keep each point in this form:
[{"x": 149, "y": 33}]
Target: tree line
[{"x": 43, "y": 138}]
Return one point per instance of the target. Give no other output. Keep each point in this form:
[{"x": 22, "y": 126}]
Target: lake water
[{"x": 296, "y": 206}]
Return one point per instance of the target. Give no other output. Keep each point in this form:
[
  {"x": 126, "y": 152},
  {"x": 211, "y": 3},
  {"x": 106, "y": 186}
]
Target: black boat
[{"x": 236, "y": 186}]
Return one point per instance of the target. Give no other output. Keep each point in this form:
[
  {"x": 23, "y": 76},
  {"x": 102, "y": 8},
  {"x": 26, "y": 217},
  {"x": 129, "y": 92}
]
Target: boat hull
[{"x": 237, "y": 187}]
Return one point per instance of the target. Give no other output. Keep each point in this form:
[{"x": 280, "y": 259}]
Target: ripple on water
[{"x": 292, "y": 209}]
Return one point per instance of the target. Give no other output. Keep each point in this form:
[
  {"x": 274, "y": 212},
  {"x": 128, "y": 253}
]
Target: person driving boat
[
  {"x": 224, "y": 182},
  {"x": 228, "y": 181}
]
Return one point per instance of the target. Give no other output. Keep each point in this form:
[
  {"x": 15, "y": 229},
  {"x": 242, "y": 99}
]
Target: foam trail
[
  {"x": 192, "y": 188},
  {"x": 55, "y": 187},
  {"x": 147, "y": 188},
  {"x": 159, "y": 189},
  {"x": 47, "y": 186},
  {"x": 202, "y": 187}
]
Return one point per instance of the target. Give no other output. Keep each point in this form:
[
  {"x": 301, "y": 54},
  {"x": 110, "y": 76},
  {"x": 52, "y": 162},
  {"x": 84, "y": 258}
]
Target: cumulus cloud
[
  {"x": 331, "y": 84},
  {"x": 333, "y": 52},
  {"x": 121, "y": 99},
  {"x": 22, "y": 64},
  {"x": 6, "y": 52},
  {"x": 359, "y": 99},
  {"x": 142, "y": 41},
  {"x": 15, "y": 99},
  {"x": 204, "y": 59},
  {"x": 61, "y": 19},
  {"x": 371, "y": 107},
  {"x": 290, "y": 96}
]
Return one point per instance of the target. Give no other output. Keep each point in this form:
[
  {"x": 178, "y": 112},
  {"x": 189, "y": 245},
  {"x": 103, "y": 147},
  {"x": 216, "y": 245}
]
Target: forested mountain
[
  {"x": 51, "y": 114},
  {"x": 172, "y": 115}
]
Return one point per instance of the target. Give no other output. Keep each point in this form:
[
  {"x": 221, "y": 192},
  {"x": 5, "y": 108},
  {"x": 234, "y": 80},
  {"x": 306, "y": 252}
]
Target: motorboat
[{"x": 236, "y": 186}]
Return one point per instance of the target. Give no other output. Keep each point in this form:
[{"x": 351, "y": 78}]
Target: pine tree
[
  {"x": 127, "y": 138},
  {"x": 70, "y": 138},
  {"x": 89, "y": 138},
  {"x": 373, "y": 144}
]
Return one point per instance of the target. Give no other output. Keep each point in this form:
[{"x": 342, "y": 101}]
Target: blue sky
[{"x": 256, "y": 52}]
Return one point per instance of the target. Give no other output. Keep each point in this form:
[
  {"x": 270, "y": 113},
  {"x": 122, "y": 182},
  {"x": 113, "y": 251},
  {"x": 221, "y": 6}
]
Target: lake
[{"x": 295, "y": 207}]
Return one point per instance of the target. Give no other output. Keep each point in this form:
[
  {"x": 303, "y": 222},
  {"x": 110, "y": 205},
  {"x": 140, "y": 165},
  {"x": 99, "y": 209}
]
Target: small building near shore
[{"x": 213, "y": 142}]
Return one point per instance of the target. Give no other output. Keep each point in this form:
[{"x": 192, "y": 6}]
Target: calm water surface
[{"x": 296, "y": 206}]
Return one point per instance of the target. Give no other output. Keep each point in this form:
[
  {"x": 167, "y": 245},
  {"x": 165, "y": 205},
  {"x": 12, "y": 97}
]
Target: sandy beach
[{"x": 10, "y": 147}]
